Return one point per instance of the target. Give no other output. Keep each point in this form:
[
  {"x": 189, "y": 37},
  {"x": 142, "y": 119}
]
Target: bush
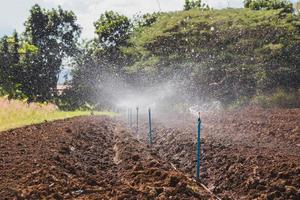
[
  {"x": 2, "y": 92},
  {"x": 280, "y": 98}
]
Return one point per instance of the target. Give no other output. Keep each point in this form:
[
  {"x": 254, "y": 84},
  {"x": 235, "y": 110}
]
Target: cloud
[
  {"x": 225, "y": 3},
  {"x": 88, "y": 11}
]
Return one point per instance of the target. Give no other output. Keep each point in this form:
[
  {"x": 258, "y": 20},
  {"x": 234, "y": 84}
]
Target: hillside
[{"x": 229, "y": 55}]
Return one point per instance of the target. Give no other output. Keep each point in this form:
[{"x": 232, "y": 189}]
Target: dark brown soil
[
  {"x": 86, "y": 158},
  {"x": 246, "y": 154}
]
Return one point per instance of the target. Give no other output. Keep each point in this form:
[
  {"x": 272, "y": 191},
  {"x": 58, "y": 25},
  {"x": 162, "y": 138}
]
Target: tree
[
  {"x": 16, "y": 46},
  {"x": 9, "y": 65},
  {"x": 55, "y": 33},
  {"x": 191, "y": 4},
  {"x": 112, "y": 29},
  {"x": 247, "y": 3},
  {"x": 145, "y": 20},
  {"x": 91, "y": 72},
  {"x": 269, "y": 5},
  {"x": 4, "y": 63},
  {"x": 187, "y": 5},
  {"x": 98, "y": 62}
]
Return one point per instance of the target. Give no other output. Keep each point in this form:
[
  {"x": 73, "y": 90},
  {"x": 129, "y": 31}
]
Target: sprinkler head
[{"x": 199, "y": 118}]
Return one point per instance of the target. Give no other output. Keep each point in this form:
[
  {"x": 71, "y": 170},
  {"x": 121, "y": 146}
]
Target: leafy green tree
[
  {"x": 247, "y": 3},
  {"x": 91, "y": 70},
  {"x": 9, "y": 66},
  {"x": 145, "y": 20},
  {"x": 287, "y": 6},
  {"x": 98, "y": 62},
  {"x": 187, "y": 5},
  {"x": 112, "y": 29},
  {"x": 16, "y": 46},
  {"x": 55, "y": 33},
  {"x": 191, "y": 4},
  {"x": 4, "y": 63}
]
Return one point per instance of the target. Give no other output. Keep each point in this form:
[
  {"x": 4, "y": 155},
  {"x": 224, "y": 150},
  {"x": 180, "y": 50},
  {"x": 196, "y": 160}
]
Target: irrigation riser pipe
[
  {"x": 198, "y": 147},
  {"x": 137, "y": 120},
  {"x": 150, "y": 127}
]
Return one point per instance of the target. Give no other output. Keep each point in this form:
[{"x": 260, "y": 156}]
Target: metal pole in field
[
  {"x": 137, "y": 120},
  {"x": 130, "y": 117},
  {"x": 198, "y": 147},
  {"x": 150, "y": 128}
]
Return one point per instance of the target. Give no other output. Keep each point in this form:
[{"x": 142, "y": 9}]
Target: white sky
[{"x": 13, "y": 13}]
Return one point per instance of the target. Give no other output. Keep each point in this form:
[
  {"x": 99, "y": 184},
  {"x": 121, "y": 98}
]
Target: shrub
[{"x": 280, "y": 98}]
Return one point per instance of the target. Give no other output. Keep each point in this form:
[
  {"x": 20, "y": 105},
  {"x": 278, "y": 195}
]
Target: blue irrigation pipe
[
  {"x": 150, "y": 127},
  {"x": 130, "y": 117},
  {"x": 137, "y": 120},
  {"x": 198, "y": 147}
]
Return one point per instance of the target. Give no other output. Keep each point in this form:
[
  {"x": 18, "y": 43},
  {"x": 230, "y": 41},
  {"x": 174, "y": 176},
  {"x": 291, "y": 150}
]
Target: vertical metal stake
[
  {"x": 198, "y": 147},
  {"x": 150, "y": 129},
  {"x": 137, "y": 120},
  {"x": 130, "y": 118}
]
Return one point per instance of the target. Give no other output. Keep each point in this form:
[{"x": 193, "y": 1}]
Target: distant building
[{"x": 60, "y": 88}]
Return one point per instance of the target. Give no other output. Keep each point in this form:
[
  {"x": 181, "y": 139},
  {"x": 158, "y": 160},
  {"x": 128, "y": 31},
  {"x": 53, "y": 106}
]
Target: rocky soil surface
[{"x": 87, "y": 158}]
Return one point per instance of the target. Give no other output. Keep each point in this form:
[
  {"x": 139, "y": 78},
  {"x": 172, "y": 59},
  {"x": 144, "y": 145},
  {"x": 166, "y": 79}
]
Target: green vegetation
[
  {"x": 279, "y": 98},
  {"x": 112, "y": 29},
  {"x": 17, "y": 113},
  {"x": 227, "y": 54},
  {"x": 31, "y": 62},
  {"x": 191, "y": 4},
  {"x": 232, "y": 55},
  {"x": 285, "y": 5}
]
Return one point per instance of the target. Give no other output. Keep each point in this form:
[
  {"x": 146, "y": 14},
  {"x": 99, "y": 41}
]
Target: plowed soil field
[
  {"x": 246, "y": 154},
  {"x": 86, "y": 158}
]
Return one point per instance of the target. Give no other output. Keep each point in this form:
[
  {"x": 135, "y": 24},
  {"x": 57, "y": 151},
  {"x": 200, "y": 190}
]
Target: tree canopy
[
  {"x": 229, "y": 55},
  {"x": 31, "y": 65},
  {"x": 191, "y": 4},
  {"x": 112, "y": 29},
  {"x": 286, "y": 5}
]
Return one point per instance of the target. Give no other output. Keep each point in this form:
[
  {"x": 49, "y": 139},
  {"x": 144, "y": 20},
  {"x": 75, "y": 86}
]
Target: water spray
[{"x": 198, "y": 147}]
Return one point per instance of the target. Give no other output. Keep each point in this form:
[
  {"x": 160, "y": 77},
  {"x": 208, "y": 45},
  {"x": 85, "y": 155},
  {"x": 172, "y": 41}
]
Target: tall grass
[{"x": 16, "y": 113}]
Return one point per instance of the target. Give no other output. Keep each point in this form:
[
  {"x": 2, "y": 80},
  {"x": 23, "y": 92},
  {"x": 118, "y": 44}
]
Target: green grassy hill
[{"x": 229, "y": 55}]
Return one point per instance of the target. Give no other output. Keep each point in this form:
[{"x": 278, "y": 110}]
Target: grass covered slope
[
  {"x": 16, "y": 113},
  {"x": 228, "y": 55}
]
